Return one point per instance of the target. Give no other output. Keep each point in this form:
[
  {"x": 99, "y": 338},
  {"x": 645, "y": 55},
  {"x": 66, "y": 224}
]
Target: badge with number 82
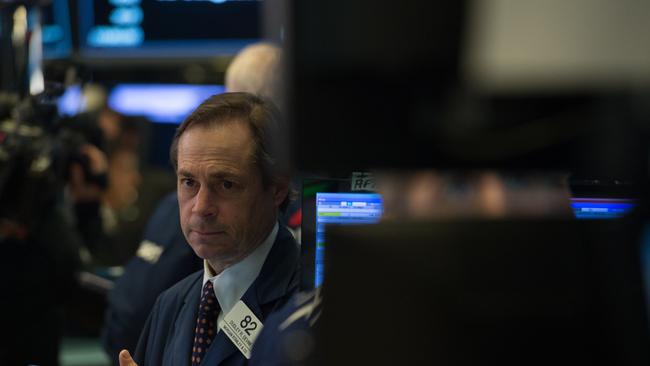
[{"x": 248, "y": 324}]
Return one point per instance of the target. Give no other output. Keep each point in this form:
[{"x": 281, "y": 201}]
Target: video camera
[{"x": 37, "y": 148}]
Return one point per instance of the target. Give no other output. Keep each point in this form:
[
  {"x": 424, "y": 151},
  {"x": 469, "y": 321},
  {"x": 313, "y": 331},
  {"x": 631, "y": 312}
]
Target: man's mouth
[{"x": 208, "y": 232}]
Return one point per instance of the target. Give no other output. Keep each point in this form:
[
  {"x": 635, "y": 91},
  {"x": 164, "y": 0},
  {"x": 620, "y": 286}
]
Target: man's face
[{"x": 225, "y": 210}]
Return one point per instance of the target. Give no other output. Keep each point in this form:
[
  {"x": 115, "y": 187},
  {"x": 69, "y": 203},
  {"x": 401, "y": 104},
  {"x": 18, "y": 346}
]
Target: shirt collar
[{"x": 231, "y": 284}]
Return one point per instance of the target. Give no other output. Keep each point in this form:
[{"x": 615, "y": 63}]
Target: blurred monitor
[
  {"x": 374, "y": 70},
  {"x": 57, "y": 39},
  {"x": 557, "y": 45},
  {"x": 601, "y": 208},
  {"x": 72, "y": 101},
  {"x": 167, "y": 28},
  {"x": 602, "y": 198},
  {"x": 468, "y": 292},
  {"x": 327, "y": 202},
  {"x": 160, "y": 103},
  {"x": 397, "y": 83}
]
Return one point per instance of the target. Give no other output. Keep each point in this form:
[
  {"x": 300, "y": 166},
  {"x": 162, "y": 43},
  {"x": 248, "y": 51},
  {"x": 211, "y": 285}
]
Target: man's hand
[{"x": 126, "y": 359}]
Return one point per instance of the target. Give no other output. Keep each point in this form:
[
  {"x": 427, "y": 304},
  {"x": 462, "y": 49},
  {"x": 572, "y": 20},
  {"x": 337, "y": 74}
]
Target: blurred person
[
  {"x": 95, "y": 97},
  {"x": 125, "y": 205},
  {"x": 431, "y": 194},
  {"x": 39, "y": 272},
  {"x": 135, "y": 186},
  {"x": 101, "y": 217},
  {"x": 257, "y": 69},
  {"x": 163, "y": 256},
  {"x": 41, "y": 258},
  {"x": 162, "y": 259},
  {"x": 111, "y": 123},
  {"x": 119, "y": 206},
  {"x": 232, "y": 183},
  {"x": 124, "y": 178},
  {"x": 110, "y": 221}
]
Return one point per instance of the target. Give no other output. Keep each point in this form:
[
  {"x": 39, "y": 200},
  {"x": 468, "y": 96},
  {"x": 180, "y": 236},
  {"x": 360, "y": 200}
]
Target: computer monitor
[
  {"x": 327, "y": 202},
  {"x": 601, "y": 208},
  {"x": 56, "y": 34},
  {"x": 160, "y": 103},
  {"x": 468, "y": 292},
  {"x": 167, "y": 29},
  {"x": 602, "y": 198}
]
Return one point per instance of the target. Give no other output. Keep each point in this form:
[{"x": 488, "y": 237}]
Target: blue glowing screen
[
  {"x": 601, "y": 208},
  {"x": 342, "y": 209},
  {"x": 160, "y": 103},
  {"x": 72, "y": 101},
  {"x": 167, "y": 28},
  {"x": 56, "y": 34}
]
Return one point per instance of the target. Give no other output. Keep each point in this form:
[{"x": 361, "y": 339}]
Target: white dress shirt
[{"x": 231, "y": 284}]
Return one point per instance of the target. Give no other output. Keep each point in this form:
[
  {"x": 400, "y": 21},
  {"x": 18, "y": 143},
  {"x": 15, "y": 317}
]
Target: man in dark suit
[{"x": 232, "y": 181}]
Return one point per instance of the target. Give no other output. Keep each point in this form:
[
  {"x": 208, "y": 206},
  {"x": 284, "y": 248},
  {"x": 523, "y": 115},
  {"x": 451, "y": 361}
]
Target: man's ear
[{"x": 280, "y": 190}]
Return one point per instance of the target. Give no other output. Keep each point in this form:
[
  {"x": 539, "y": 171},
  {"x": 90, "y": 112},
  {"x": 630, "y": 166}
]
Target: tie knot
[
  {"x": 208, "y": 288},
  {"x": 208, "y": 298}
]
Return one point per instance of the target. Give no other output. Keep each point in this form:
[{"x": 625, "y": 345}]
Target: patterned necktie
[{"x": 206, "y": 323}]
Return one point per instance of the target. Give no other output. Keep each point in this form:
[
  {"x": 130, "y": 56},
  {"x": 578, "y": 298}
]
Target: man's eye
[
  {"x": 227, "y": 184},
  {"x": 187, "y": 182}
]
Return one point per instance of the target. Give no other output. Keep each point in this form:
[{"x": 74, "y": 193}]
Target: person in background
[
  {"x": 41, "y": 240},
  {"x": 257, "y": 69},
  {"x": 163, "y": 258}
]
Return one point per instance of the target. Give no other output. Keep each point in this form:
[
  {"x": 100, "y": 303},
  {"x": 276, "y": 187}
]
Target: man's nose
[{"x": 205, "y": 203}]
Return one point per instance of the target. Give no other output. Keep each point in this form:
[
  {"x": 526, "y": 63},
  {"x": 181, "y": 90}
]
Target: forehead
[{"x": 230, "y": 142}]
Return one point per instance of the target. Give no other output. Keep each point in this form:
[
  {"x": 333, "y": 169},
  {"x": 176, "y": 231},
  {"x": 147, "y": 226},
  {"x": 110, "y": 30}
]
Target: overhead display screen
[
  {"x": 167, "y": 28},
  {"x": 57, "y": 41}
]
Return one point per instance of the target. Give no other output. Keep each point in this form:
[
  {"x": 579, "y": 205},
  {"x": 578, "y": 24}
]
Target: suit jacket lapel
[
  {"x": 279, "y": 274},
  {"x": 221, "y": 349},
  {"x": 183, "y": 336}
]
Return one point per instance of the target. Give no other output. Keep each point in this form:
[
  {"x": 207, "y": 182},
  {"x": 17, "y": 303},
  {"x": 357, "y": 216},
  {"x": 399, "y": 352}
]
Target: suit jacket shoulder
[{"x": 167, "y": 337}]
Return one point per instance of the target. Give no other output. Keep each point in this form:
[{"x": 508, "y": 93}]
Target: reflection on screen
[{"x": 342, "y": 209}]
